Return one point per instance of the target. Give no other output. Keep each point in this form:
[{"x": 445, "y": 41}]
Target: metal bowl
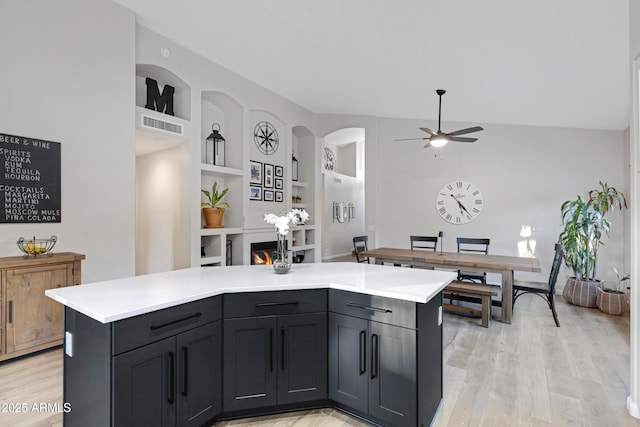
[{"x": 35, "y": 246}]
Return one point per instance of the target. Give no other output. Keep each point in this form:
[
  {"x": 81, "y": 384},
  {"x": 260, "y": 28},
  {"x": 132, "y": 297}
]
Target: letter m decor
[{"x": 157, "y": 101}]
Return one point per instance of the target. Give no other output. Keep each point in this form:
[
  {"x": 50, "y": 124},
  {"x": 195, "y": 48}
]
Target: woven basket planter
[
  {"x": 580, "y": 292},
  {"x": 611, "y": 302}
]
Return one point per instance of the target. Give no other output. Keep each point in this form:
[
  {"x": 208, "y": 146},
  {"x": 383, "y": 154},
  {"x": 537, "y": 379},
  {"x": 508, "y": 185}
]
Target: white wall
[
  {"x": 524, "y": 173},
  {"x": 68, "y": 76}
]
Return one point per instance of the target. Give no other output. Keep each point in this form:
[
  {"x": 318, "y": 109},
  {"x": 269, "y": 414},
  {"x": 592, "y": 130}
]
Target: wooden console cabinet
[{"x": 30, "y": 321}]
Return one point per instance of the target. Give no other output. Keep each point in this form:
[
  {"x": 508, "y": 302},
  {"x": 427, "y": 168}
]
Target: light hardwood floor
[{"x": 529, "y": 373}]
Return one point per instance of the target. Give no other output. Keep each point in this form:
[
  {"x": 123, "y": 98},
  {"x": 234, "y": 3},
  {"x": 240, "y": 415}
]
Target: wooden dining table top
[{"x": 475, "y": 261}]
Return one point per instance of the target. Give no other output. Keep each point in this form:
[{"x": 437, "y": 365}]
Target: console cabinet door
[
  {"x": 200, "y": 377},
  {"x": 144, "y": 392},
  {"x": 348, "y": 362},
  {"x": 302, "y": 358},
  {"x": 393, "y": 382},
  {"x": 250, "y": 365}
]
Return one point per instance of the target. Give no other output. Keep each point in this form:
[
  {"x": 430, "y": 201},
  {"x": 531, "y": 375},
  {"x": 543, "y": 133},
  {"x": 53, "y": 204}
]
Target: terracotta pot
[
  {"x": 611, "y": 302},
  {"x": 580, "y": 292},
  {"x": 213, "y": 217}
]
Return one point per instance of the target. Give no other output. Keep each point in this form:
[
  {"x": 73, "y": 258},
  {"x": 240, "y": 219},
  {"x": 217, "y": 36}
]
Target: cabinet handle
[
  {"x": 172, "y": 381},
  {"x": 271, "y": 304},
  {"x": 10, "y": 311},
  {"x": 363, "y": 352},
  {"x": 173, "y": 322},
  {"x": 185, "y": 370},
  {"x": 271, "y": 349},
  {"x": 366, "y": 307},
  {"x": 282, "y": 347},
  {"x": 374, "y": 356}
]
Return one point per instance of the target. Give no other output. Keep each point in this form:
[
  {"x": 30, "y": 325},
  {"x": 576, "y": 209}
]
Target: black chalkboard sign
[{"x": 29, "y": 180}]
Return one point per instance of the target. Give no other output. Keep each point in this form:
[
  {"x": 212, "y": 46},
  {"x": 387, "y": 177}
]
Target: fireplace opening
[{"x": 262, "y": 252}]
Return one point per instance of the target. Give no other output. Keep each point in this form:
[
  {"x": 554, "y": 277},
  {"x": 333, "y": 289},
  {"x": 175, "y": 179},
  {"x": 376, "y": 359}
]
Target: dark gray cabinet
[
  {"x": 170, "y": 382},
  {"x": 278, "y": 356},
  {"x": 373, "y": 363}
]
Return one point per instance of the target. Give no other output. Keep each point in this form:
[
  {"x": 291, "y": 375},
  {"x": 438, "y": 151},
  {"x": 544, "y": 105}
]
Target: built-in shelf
[
  {"x": 299, "y": 205},
  {"x": 295, "y": 248},
  {"x": 220, "y": 231},
  {"x": 299, "y": 184},
  {"x": 211, "y": 260},
  {"x": 214, "y": 170}
]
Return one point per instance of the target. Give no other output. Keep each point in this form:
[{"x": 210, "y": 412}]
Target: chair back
[
  {"x": 472, "y": 245},
  {"x": 424, "y": 242},
  {"x": 360, "y": 244},
  {"x": 555, "y": 267}
]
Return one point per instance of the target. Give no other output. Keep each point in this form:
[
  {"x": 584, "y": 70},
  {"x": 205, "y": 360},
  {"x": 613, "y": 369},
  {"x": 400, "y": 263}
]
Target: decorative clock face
[
  {"x": 459, "y": 202},
  {"x": 329, "y": 159},
  {"x": 266, "y": 138}
]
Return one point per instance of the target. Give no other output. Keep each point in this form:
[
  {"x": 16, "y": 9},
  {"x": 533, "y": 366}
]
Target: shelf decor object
[
  {"x": 214, "y": 147},
  {"x": 294, "y": 168},
  {"x": 35, "y": 246}
]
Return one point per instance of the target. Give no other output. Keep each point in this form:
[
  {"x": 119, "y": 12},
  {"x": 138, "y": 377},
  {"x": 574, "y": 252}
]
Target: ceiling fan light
[{"x": 439, "y": 141}]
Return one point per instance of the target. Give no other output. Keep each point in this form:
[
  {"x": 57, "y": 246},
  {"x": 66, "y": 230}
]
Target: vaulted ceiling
[{"x": 541, "y": 63}]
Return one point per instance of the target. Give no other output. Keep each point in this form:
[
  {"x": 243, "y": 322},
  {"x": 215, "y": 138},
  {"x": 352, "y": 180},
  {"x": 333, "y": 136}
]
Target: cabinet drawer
[
  {"x": 385, "y": 310},
  {"x": 270, "y": 303},
  {"x": 146, "y": 328}
]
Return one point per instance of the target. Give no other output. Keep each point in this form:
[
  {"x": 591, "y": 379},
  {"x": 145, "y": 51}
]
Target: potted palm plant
[
  {"x": 213, "y": 209},
  {"x": 584, "y": 224}
]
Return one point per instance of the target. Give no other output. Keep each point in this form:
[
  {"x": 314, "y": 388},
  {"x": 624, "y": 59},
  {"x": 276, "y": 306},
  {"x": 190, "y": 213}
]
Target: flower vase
[{"x": 281, "y": 264}]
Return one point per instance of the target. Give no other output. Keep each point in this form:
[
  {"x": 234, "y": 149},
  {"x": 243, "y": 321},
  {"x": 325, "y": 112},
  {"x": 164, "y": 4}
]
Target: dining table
[{"x": 505, "y": 265}]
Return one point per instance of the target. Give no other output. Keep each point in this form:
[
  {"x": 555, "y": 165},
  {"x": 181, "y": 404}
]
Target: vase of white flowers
[{"x": 281, "y": 263}]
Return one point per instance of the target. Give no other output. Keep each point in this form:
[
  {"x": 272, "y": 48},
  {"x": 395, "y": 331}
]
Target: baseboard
[{"x": 633, "y": 408}]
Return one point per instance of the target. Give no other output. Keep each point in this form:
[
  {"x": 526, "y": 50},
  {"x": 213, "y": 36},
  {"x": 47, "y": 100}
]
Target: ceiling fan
[{"x": 439, "y": 138}]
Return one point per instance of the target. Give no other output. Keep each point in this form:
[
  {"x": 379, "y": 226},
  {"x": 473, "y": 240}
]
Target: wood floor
[{"x": 529, "y": 373}]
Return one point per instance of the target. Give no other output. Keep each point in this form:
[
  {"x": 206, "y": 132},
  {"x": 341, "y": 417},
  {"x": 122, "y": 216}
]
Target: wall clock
[
  {"x": 459, "y": 202},
  {"x": 266, "y": 138},
  {"x": 329, "y": 159}
]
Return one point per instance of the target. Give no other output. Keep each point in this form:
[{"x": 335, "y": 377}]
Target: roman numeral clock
[{"x": 459, "y": 202}]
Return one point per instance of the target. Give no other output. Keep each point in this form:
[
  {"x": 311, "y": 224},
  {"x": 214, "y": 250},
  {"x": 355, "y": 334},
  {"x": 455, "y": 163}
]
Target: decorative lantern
[
  {"x": 214, "y": 146},
  {"x": 294, "y": 168}
]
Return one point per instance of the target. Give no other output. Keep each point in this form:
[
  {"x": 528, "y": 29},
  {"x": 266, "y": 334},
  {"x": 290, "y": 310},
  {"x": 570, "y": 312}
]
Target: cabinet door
[
  {"x": 199, "y": 374},
  {"x": 348, "y": 364},
  {"x": 392, "y": 373},
  {"x": 302, "y": 358},
  {"x": 249, "y": 363},
  {"x": 33, "y": 318},
  {"x": 144, "y": 386}
]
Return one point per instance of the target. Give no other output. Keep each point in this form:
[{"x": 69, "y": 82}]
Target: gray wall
[{"x": 68, "y": 76}]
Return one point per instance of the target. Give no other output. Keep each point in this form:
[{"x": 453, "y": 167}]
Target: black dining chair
[
  {"x": 546, "y": 290},
  {"x": 360, "y": 244},
  {"x": 472, "y": 245},
  {"x": 424, "y": 243}
]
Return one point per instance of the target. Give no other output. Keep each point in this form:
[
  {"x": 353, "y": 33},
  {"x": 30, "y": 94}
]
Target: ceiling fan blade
[
  {"x": 463, "y": 139},
  {"x": 428, "y": 144},
  {"x": 465, "y": 131},
  {"x": 427, "y": 130},
  {"x": 411, "y": 139}
]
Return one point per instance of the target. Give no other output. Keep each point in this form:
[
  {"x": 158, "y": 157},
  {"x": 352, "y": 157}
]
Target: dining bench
[{"x": 477, "y": 290}]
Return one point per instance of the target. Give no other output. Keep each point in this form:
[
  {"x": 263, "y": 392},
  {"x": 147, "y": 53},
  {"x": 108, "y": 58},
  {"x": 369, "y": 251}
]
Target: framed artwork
[
  {"x": 268, "y": 175},
  {"x": 268, "y": 196},
  {"x": 255, "y": 171},
  {"x": 279, "y": 171},
  {"x": 279, "y": 196},
  {"x": 279, "y": 183},
  {"x": 255, "y": 192}
]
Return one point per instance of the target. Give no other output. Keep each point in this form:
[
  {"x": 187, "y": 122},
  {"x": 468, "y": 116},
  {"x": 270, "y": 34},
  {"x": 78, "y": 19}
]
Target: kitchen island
[{"x": 192, "y": 346}]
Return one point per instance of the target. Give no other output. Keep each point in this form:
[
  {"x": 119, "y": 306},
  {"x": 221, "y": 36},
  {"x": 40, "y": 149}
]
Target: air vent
[{"x": 150, "y": 122}]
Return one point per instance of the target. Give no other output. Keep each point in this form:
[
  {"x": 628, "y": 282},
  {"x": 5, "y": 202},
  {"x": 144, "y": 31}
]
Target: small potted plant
[
  {"x": 213, "y": 209},
  {"x": 613, "y": 300},
  {"x": 584, "y": 225}
]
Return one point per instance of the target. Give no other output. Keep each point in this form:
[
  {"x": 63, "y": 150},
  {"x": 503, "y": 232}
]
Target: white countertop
[{"x": 118, "y": 299}]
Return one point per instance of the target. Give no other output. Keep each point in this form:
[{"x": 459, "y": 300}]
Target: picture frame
[
  {"x": 268, "y": 176},
  {"x": 255, "y": 192},
  {"x": 255, "y": 172},
  {"x": 279, "y": 171},
  {"x": 279, "y": 182},
  {"x": 279, "y": 196},
  {"x": 267, "y": 195}
]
